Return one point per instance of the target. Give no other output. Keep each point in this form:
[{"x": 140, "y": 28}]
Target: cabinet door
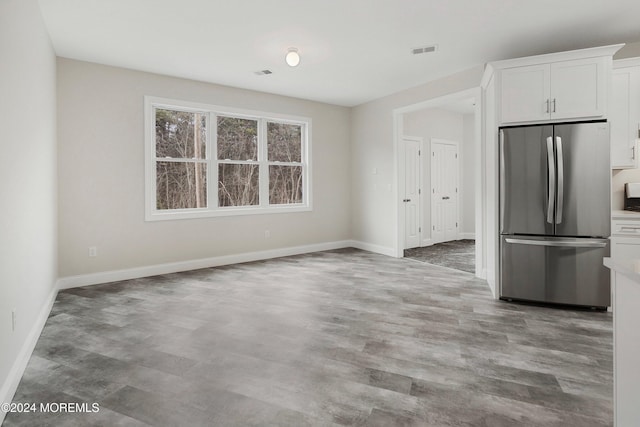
[
  {"x": 624, "y": 117},
  {"x": 525, "y": 94},
  {"x": 578, "y": 88},
  {"x": 622, "y": 152},
  {"x": 625, "y": 248}
]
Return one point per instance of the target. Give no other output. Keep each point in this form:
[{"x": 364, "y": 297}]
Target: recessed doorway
[{"x": 438, "y": 144}]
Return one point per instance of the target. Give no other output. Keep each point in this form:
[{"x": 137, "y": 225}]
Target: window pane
[
  {"x": 285, "y": 185},
  {"x": 237, "y": 139},
  {"x": 284, "y": 142},
  {"x": 180, "y": 134},
  {"x": 238, "y": 185},
  {"x": 181, "y": 185}
]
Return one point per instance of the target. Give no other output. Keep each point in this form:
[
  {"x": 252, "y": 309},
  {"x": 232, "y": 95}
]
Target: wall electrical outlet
[
  {"x": 267, "y": 234},
  {"x": 93, "y": 251}
]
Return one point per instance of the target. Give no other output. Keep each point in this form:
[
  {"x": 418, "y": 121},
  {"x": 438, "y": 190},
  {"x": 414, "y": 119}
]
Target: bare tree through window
[
  {"x": 237, "y": 143},
  {"x": 284, "y": 147},
  {"x": 231, "y": 161},
  {"x": 181, "y": 172}
]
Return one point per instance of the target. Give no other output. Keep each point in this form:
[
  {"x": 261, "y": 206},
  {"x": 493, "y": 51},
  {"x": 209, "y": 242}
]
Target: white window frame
[{"x": 213, "y": 210}]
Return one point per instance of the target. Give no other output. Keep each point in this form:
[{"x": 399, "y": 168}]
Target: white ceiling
[{"x": 352, "y": 51}]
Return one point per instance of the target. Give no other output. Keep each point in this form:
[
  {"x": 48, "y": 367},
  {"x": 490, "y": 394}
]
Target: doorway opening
[{"x": 439, "y": 181}]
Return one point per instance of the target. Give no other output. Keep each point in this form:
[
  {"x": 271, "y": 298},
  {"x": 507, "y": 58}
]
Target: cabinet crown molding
[
  {"x": 626, "y": 62},
  {"x": 592, "y": 52}
]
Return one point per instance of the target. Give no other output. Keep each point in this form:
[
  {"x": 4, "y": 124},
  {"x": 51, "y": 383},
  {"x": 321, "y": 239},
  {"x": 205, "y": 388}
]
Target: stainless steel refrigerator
[{"x": 555, "y": 207}]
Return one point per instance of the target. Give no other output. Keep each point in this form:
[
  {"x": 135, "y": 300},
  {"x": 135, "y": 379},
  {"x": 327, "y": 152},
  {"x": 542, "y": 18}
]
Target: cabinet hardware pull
[{"x": 553, "y": 110}]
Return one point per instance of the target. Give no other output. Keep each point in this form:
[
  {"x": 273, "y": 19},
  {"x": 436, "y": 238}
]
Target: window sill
[{"x": 231, "y": 211}]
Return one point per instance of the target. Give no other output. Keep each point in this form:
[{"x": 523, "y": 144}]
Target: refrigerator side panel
[
  {"x": 583, "y": 206},
  {"x": 524, "y": 180}
]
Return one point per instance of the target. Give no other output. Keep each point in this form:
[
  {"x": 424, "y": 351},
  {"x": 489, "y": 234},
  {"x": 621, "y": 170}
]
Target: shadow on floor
[{"x": 457, "y": 254}]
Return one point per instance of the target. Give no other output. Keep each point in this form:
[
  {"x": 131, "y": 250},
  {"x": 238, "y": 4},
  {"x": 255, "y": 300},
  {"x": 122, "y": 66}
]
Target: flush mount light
[{"x": 292, "y": 57}]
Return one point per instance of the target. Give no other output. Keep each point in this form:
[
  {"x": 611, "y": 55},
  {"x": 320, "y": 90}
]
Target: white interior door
[
  {"x": 444, "y": 190},
  {"x": 411, "y": 198}
]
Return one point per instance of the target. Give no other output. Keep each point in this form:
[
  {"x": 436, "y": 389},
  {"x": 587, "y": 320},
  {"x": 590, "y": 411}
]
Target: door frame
[
  {"x": 480, "y": 181},
  {"x": 458, "y": 177},
  {"x": 402, "y": 187}
]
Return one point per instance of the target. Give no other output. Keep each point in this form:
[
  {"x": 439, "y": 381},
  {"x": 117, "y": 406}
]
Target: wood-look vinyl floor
[
  {"x": 457, "y": 254},
  {"x": 342, "y": 337}
]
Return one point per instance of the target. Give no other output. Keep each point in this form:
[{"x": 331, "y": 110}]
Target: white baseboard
[
  {"x": 469, "y": 236},
  {"x": 10, "y": 385},
  {"x": 382, "y": 250},
  {"x": 174, "y": 267},
  {"x": 427, "y": 242},
  {"x": 491, "y": 280}
]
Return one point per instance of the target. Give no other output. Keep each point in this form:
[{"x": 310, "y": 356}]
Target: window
[{"x": 259, "y": 163}]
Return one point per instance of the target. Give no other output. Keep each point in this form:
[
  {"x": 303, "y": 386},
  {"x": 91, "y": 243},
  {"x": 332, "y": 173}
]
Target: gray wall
[
  {"x": 28, "y": 263},
  {"x": 373, "y": 207},
  {"x": 101, "y": 178}
]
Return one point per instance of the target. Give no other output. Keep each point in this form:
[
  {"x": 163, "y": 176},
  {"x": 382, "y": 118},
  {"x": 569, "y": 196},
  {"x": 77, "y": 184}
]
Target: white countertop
[
  {"x": 630, "y": 268},
  {"x": 625, "y": 215}
]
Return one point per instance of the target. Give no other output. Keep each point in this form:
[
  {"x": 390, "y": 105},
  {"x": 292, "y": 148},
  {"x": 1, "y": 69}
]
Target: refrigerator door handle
[
  {"x": 501, "y": 183},
  {"x": 551, "y": 164},
  {"x": 560, "y": 180},
  {"x": 583, "y": 243}
]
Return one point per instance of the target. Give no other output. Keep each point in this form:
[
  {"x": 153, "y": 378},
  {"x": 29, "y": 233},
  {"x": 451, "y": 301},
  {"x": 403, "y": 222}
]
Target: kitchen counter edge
[{"x": 629, "y": 268}]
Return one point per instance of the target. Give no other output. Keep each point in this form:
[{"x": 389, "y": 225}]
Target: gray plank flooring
[
  {"x": 341, "y": 337},
  {"x": 457, "y": 254}
]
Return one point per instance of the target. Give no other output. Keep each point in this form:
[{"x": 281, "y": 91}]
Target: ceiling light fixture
[{"x": 292, "y": 57}]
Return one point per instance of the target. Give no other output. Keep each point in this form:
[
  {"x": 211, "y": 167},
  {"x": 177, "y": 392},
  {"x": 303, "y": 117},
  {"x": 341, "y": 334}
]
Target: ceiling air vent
[
  {"x": 264, "y": 72},
  {"x": 424, "y": 49}
]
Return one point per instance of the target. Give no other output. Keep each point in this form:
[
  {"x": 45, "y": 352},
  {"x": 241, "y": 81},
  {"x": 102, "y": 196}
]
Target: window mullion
[
  {"x": 263, "y": 162},
  {"x": 212, "y": 161}
]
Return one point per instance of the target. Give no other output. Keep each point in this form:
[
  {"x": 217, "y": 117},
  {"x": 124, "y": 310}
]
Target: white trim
[
  {"x": 10, "y": 385},
  {"x": 489, "y": 71},
  {"x": 558, "y": 56},
  {"x": 174, "y": 267},
  {"x": 427, "y": 242},
  {"x": 626, "y": 62},
  {"x": 370, "y": 247},
  {"x": 467, "y": 236}
]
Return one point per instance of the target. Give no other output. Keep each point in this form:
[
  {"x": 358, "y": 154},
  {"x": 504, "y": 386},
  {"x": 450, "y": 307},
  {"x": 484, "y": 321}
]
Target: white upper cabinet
[
  {"x": 562, "y": 90},
  {"x": 579, "y": 88},
  {"x": 525, "y": 93},
  {"x": 624, "y": 113},
  {"x": 555, "y": 87}
]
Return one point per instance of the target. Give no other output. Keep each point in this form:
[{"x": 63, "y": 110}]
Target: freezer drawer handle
[{"x": 561, "y": 244}]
